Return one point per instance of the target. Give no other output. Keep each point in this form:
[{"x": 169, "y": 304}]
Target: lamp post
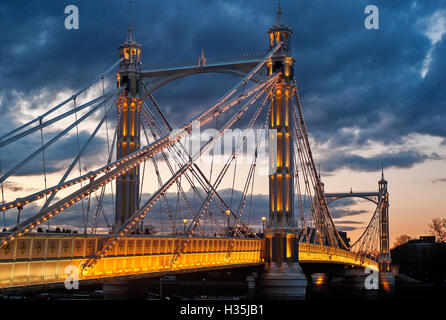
[
  {"x": 184, "y": 223},
  {"x": 263, "y": 222},
  {"x": 228, "y": 214}
]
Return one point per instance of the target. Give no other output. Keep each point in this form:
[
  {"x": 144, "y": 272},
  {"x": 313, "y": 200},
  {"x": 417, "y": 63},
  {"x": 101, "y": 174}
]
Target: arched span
[
  {"x": 369, "y": 197},
  {"x": 179, "y": 75}
]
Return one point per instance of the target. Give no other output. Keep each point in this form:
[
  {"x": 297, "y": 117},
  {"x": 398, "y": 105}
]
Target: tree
[
  {"x": 401, "y": 239},
  {"x": 438, "y": 228}
]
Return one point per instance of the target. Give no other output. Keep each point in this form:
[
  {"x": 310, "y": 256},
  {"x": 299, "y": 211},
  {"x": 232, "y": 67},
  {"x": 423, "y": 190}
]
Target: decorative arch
[
  {"x": 177, "y": 75},
  {"x": 370, "y": 198}
]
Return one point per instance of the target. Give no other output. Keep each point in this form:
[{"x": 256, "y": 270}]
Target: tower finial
[
  {"x": 382, "y": 169},
  {"x": 130, "y": 33},
  {"x": 202, "y": 59},
  {"x": 279, "y": 13}
]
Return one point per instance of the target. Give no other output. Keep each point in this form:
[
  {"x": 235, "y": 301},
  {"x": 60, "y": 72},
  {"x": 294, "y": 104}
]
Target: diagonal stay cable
[
  {"x": 218, "y": 180},
  {"x": 149, "y": 120},
  {"x": 49, "y": 143},
  {"x": 128, "y": 162},
  {"x": 140, "y": 214},
  {"x": 4, "y": 143},
  {"x": 201, "y": 177},
  {"x": 62, "y": 103},
  {"x": 321, "y": 195},
  {"x": 73, "y": 164}
]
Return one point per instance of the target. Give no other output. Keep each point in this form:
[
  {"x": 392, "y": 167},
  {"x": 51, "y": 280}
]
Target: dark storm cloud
[
  {"x": 343, "y": 208},
  {"x": 342, "y": 212},
  {"x": 403, "y": 159},
  {"x": 349, "y": 77},
  {"x": 350, "y": 222},
  {"x": 57, "y": 157}
]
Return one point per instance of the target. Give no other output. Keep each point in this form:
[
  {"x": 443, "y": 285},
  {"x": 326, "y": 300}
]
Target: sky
[{"x": 369, "y": 96}]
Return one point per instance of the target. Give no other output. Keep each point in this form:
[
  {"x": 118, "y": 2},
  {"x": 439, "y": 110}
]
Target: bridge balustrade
[
  {"x": 313, "y": 253},
  {"x": 38, "y": 259},
  {"x": 42, "y": 259}
]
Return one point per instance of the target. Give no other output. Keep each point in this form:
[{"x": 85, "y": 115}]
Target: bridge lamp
[
  {"x": 184, "y": 223},
  {"x": 263, "y": 222},
  {"x": 228, "y": 214}
]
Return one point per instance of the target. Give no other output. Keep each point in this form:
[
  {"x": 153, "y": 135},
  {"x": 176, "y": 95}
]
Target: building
[{"x": 422, "y": 259}]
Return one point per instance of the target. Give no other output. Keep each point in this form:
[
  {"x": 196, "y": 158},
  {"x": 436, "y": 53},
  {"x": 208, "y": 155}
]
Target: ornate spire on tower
[
  {"x": 130, "y": 36},
  {"x": 130, "y": 50},
  {"x": 382, "y": 173},
  {"x": 202, "y": 59},
  {"x": 280, "y": 33},
  {"x": 279, "y": 14}
]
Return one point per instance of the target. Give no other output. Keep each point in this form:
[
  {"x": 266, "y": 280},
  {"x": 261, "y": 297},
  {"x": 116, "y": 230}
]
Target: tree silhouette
[
  {"x": 438, "y": 228},
  {"x": 401, "y": 239}
]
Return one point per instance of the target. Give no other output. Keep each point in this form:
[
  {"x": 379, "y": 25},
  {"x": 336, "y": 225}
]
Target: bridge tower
[
  {"x": 387, "y": 280},
  {"x": 127, "y": 141},
  {"x": 128, "y": 136},
  {"x": 283, "y": 278},
  {"x": 384, "y": 255}
]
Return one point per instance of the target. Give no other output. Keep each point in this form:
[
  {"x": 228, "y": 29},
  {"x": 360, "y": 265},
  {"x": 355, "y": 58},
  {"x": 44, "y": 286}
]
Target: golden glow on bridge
[
  {"x": 313, "y": 253},
  {"x": 43, "y": 259}
]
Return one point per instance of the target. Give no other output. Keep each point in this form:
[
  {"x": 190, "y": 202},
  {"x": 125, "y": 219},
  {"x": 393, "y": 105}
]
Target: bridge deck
[
  {"x": 312, "y": 253},
  {"x": 45, "y": 259}
]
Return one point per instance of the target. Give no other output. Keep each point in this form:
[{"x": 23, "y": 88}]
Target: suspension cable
[
  {"x": 140, "y": 155},
  {"x": 3, "y": 194},
  {"x": 140, "y": 214},
  {"x": 4, "y": 143},
  {"x": 79, "y": 164},
  {"x": 44, "y": 169},
  {"x": 150, "y": 120},
  {"x": 74, "y": 162},
  {"x": 61, "y": 104},
  {"x": 321, "y": 195},
  {"x": 49, "y": 143},
  {"x": 160, "y": 184},
  {"x": 209, "y": 197},
  {"x": 99, "y": 206}
]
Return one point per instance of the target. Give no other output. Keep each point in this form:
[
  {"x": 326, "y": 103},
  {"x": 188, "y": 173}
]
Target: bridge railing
[
  {"x": 315, "y": 253},
  {"x": 47, "y": 259}
]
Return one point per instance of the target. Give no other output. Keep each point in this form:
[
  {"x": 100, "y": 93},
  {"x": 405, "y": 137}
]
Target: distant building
[{"x": 422, "y": 259}]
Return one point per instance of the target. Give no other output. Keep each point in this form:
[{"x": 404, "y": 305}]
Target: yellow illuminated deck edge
[{"x": 312, "y": 253}]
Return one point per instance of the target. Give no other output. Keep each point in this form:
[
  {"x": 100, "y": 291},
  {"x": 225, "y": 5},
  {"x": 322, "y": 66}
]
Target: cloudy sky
[{"x": 369, "y": 96}]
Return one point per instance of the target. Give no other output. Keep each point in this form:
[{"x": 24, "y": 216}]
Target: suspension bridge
[{"x": 203, "y": 228}]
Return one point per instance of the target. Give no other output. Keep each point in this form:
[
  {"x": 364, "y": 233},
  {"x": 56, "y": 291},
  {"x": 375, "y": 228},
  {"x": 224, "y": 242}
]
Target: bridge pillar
[
  {"x": 127, "y": 141},
  {"x": 283, "y": 277},
  {"x": 128, "y": 134},
  {"x": 387, "y": 280}
]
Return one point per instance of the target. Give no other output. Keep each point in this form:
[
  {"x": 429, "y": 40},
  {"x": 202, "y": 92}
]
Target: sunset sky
[{"x": 368, "y": 96}]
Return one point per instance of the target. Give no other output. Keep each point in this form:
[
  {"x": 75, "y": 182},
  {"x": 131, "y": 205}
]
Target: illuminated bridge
[
  {"x": 120, "y": 235},
  {"x": 42, "y": 260}
]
